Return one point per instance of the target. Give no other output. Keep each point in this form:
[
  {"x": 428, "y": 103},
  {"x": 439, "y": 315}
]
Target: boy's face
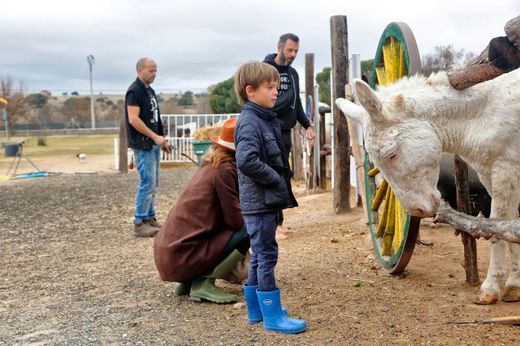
[{"x": 265, "y": 95}]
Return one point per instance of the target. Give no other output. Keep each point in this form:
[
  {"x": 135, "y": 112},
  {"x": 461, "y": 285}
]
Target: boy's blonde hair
[{"x": 253, "y": 73}]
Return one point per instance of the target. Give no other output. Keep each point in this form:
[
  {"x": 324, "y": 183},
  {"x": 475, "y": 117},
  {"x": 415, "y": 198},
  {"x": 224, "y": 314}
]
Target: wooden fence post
[
  {"x": 123, "y": 156},
  {"x": 323, "y": 158},
  {"x": 463, "y": 205},
  {"x": 358, "y": 153},
  {"x": 309, "y": 92},
  {"x": 339, "y": 74},
  {"x": 297, "y": 152}
]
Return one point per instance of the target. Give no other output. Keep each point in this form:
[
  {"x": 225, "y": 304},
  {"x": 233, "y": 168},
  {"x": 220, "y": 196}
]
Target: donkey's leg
[
  {"x": 490, "y": 289},
  {"x": 505, "y": 193},
  {"x": 512, "y": 289},
  {"x": 500, "y": 191}
]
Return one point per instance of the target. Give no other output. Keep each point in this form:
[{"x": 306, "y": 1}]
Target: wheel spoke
[
  {"x": 391, "y": 57},
  {"x": 381, "y": 226},
  {"x": 381, "y": 75},
  {"x": 380, "y": 194},
  {"x": 399, "y": 218},
  {"x": 388, "y": 236}
]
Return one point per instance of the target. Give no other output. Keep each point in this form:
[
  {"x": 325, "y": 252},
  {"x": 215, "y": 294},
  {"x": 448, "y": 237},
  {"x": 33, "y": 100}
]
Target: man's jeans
[
  {"x": 262, "y": 231},
  {"x": 147, "y": 162}
]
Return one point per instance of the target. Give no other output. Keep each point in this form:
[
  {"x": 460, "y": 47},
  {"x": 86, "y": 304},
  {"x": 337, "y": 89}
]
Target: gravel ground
[{"x": 71, "y": 274}]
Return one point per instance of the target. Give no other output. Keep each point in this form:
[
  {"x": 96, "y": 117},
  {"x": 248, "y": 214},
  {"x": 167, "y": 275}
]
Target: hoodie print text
[{"x": 285, "y": 83}]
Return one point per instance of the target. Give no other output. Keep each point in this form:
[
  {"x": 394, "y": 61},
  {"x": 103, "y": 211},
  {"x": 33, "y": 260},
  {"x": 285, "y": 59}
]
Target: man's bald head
[
  {"x": 141, "y": 63},
  {"x": 146, "y": 70}
]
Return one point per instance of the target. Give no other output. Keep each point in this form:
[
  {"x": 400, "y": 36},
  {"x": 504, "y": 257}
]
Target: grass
[{"x": 65, "y": 146}]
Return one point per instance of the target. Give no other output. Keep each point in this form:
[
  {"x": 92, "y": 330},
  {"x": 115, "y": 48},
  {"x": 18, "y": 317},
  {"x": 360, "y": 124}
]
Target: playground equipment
[{"x": 18, "y": 154}]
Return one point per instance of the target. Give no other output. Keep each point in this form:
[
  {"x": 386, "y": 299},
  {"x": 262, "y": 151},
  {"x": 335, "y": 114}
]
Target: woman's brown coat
[{"x": 201, "y": 223}]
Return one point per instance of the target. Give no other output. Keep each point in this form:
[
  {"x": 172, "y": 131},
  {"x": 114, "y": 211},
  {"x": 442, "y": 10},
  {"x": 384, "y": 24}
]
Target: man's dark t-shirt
[{"x": 143, "y": 97}]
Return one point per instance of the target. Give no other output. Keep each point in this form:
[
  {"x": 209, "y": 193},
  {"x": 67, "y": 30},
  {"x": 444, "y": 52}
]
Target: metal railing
[{"x": 179, "y": 128}]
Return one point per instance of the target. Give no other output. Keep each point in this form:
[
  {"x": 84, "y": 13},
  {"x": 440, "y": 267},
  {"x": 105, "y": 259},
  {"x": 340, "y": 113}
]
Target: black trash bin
[{"x": 11, "y": 149}]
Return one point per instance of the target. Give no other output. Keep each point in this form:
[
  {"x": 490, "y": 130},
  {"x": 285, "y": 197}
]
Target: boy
[{"x": 265, "y": 189}]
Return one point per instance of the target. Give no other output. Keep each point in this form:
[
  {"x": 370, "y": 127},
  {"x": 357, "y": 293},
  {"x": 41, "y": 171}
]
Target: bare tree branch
[
  {"x": 508, "y": 230},
  {"x": 500, "y": 56}
]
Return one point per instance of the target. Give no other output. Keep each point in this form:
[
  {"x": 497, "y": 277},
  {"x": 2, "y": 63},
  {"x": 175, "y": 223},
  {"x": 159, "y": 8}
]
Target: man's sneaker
[
  {"x": 153, "y": 222},
  {"x": 144, "y": 230}
]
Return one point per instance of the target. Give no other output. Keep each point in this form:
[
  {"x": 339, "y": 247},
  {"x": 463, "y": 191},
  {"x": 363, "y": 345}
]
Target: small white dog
[{"x": 81, "y": 157}]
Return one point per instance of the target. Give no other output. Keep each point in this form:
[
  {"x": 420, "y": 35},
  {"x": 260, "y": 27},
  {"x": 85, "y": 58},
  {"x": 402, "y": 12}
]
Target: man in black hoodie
[{"x": 288, "y": 107}]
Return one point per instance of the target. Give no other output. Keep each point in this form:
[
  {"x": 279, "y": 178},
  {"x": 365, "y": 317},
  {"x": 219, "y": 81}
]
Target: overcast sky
[{"x": 197, "y": 43}]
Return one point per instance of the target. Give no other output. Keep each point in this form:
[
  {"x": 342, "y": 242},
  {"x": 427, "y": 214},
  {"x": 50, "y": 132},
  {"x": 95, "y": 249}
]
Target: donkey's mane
[
  {"x": 419, "y": 97},
  {"x": 436, "y": 80}
]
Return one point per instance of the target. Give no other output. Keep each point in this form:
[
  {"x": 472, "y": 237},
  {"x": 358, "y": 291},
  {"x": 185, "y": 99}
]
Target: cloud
[{"x": 198, "y": 43}]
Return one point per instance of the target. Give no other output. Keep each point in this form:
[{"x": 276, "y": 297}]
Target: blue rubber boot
[
  {"x": 254, "y": 314},
  {"x": 274, "y": 317}
]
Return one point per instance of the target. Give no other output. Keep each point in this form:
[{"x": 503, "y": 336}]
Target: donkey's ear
[
  {"x": 368, "y": 99},
  {"x": 352, "y": 110}
]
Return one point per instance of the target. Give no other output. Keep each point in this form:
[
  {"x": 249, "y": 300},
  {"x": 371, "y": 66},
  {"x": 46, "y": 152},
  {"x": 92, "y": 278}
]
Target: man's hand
[
  {"x": 162, "y": 143},
  {"x": 167, "y": 147},
  {"x": 159, "y": 140},
  {"x": 309, "y": 134}
]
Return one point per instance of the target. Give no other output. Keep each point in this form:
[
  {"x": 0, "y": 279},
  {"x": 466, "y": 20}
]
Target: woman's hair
[
  {"x": 217, "y": 155},
  {"x": 253, "y": 73}
]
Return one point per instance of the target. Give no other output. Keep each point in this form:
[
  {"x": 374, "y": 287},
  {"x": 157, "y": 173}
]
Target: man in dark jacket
[
  {"x": 146, "y": 137},
  {"x": 288, "y": 107}
]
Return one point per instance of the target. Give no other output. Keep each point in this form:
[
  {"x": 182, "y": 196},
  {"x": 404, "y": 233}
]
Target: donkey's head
[{"x": 406, "y": 149}]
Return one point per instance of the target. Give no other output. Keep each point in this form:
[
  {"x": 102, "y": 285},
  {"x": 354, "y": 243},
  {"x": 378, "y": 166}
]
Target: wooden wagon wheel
[{"x": 393, "y": 231}]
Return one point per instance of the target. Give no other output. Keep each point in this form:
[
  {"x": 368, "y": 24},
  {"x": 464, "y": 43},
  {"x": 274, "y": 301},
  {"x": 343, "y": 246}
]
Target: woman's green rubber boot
[{"x": 203, "y": 288}]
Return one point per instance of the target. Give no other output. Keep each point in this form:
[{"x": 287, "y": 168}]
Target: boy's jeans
[
  {"x": 147, "y": 162},
  {"x": 262, "y": 231}
]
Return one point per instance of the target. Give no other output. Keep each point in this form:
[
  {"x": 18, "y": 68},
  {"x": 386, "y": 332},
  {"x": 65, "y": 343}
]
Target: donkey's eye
[{"x": 392, "y": 156}]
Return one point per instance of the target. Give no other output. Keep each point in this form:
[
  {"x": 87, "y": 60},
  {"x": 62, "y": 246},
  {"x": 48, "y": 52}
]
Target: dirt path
[{"x": 70, "y": 273}]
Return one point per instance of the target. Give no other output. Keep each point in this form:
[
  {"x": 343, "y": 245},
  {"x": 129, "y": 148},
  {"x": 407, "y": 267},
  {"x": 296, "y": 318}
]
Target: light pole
[{"x": 91, "y": 61}]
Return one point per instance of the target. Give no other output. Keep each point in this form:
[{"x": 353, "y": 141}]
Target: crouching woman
[{"x": 204, "y": 236}]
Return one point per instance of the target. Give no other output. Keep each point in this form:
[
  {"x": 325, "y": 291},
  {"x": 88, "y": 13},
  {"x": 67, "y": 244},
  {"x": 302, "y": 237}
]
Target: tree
[
  {"x": 38, "y": 102},
  {"x": 77, "y": 108},
  {"x": 323, "y": 81},
  {"x": 444, "y": 58},
  {"x": 116, "y": 111},
  {"x": 366, "y": 68},
  {"x": 17, "y": 109},
  {"x": 223, "y": 98},
  {"x": 202, "y": 103},
  {"x": 74, "y": 93},
  {"x": 186, "y": 99}
]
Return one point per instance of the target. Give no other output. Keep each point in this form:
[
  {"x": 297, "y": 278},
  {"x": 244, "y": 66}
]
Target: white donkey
[{"x": 407, "y": 126}]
